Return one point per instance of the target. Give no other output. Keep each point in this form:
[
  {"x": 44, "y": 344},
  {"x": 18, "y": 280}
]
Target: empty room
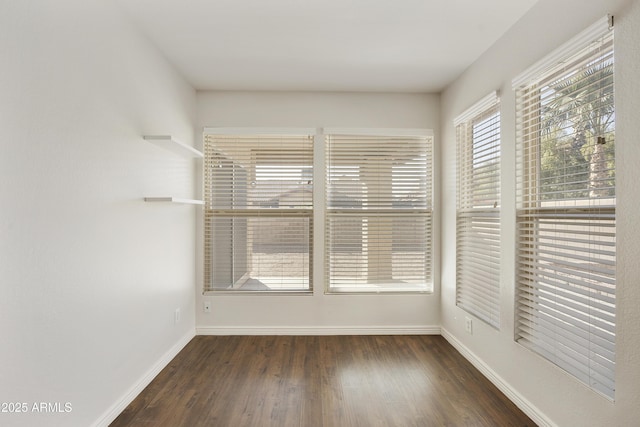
[{"x": 319, "y": 213}]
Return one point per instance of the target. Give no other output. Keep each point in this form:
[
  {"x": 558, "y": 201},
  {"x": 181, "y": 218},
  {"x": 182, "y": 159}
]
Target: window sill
[
  {"x": 376, "y": 291},
  {"x": 235, "y": 292}
]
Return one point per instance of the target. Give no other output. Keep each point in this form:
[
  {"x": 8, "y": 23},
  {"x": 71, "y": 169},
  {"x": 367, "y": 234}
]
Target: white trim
[
  {"x": 258, "y": 131},
  {"x": 483, "y": 104},
  {"x": 318, "y": 330},
  {"x": 378, "y": 131},
  {"x": 512, "y": 394},
  {"x": 580, "y": 41},
  {"x": 121, "y": 404}
]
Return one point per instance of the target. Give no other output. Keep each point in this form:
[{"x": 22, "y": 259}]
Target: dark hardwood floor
[{"x": 328, "y": 381}]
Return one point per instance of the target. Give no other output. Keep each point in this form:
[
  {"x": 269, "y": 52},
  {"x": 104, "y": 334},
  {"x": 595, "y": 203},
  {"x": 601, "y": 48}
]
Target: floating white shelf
[
  {"x": 174, "y": 200},
  {"x": 168, "y": 143}
]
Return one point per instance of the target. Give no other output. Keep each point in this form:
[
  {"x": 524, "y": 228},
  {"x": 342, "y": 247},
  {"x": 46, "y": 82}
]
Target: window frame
[
  {"x": 353, "y": 213},
  {"x": 478, "y": 223},
  {"x": 565, "y": 266},
  {"x": 273, "y": 213}
]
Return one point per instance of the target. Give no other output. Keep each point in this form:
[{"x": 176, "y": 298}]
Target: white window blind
[
  {"x": 378, "y": 213},
  {"x": 478, "y": 210},
  {"x": 258, "y": 212},
  {"x": 566, "y": 254}
]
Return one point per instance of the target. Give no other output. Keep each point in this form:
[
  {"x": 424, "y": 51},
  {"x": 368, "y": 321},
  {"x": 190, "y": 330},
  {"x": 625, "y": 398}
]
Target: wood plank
[{"x": 322, "y": 381}]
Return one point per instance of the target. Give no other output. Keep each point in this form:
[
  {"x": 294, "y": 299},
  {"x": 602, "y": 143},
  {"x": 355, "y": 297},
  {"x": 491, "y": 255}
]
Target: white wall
[
  {"x": 317, "y": 313},
  {"x": 559, "y": 399},
  {"x": 90, "y": 275}
]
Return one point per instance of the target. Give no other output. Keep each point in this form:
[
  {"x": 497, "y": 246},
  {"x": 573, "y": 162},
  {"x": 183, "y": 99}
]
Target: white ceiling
[{"x": 323, "y": 45}]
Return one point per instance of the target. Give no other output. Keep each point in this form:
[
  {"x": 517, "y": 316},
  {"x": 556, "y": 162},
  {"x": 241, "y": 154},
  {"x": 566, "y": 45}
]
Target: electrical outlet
[
  {"x": 176, "y": 316},
  {"x": 468, "y": 325},
  {"x": 207, "y": 307}
]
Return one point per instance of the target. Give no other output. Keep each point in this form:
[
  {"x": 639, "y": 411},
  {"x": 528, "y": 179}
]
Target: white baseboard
[
  {"x": 318, "y": 330},
  {"x": 120, "y": 405},
  {"x": 511, "y": 393}
]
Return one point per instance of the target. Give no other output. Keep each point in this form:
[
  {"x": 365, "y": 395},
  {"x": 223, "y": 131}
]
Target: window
[
  {"x": 478, "y": 210},
  {"x": 566, "y": 213},
  {"x": 258, "y": 212},
  {"x": 378, "y": 211}
]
